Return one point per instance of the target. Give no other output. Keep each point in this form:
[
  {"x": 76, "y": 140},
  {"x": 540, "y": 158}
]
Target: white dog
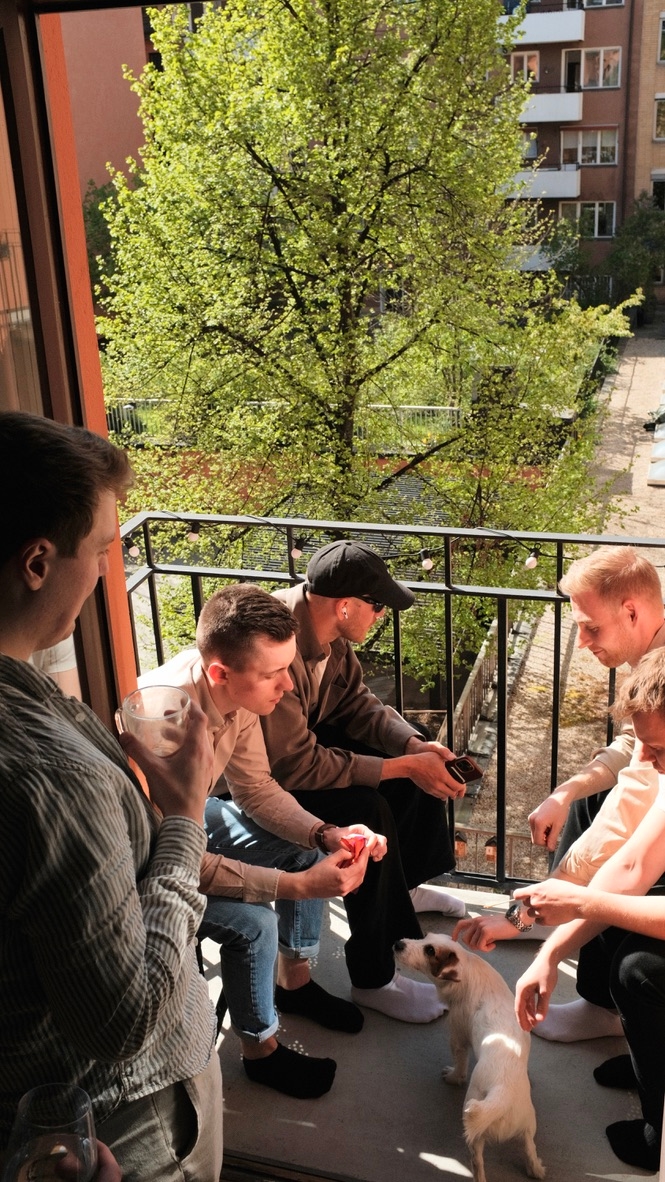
[{"x": 482, "y": 1018}]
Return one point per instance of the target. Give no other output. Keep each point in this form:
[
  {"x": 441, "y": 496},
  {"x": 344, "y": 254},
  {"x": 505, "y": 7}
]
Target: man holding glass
[{"x": 99, "y": 898}]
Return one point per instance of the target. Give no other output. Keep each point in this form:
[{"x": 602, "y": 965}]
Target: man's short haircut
[
  {"x": 643, "y": 691},
  {"x": 51, "y": 479},
  {"x": 234, "y": 617},
  {"x": 615, "y": 573}
]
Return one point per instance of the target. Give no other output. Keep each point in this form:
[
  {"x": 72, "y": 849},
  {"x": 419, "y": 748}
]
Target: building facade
[{"x": 583, "y": 119}]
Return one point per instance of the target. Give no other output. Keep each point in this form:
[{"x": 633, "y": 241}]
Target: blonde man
[{"x": 621, "y": 934}]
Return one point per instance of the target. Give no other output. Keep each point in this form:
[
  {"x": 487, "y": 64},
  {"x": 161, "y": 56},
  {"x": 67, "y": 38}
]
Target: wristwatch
[
  {"x": 513, "y": 914},
  {"x": 319, "y": 838}
]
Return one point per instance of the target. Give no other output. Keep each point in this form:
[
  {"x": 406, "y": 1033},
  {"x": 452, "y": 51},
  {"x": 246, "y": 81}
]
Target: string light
[
  {"x": 297, "y": 549},
  {"x": 426, "y": 560},
  {"x": 532, "y": 561},
  {"x": 460, "y": 844},
  {"x": 131, "y": 547},
  {"x": 193, "y": 531}
]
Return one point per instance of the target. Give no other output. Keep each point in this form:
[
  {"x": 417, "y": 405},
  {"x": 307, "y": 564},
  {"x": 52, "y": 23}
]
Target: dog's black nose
[{"x": 398, "y": 946}]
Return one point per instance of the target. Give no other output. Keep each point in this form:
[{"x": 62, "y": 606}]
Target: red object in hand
[{"x": 354, "y": 843}]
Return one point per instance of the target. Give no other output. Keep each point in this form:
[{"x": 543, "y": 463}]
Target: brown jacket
[{"x": 341, "y": 698}]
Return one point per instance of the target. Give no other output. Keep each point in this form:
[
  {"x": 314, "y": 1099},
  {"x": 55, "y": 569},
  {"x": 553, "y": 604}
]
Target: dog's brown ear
[{"x": 446, "y": 965}]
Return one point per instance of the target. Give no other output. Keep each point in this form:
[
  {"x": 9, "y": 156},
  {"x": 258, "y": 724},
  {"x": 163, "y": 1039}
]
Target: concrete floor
[{"x": 390, "y": 1117}]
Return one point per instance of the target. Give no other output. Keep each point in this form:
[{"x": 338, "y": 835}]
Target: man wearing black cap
[{"x": 331, "y": 733}]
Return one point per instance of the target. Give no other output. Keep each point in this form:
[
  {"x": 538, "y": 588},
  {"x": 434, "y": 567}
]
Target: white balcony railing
[
  {"x": 542, "y": 183},
  {"x": 550, "y": 28},
  {"x": 555, "y": 106}
]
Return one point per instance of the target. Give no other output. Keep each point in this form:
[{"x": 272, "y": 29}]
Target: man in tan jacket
[{"x": 263, "y": 847}]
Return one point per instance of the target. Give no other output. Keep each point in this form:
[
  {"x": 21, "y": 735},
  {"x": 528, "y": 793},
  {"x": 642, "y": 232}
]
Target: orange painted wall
[{"x": 104, "y": 108}]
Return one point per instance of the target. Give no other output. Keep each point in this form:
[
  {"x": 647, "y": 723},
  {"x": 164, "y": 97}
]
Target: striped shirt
[{"x": 99, "y": 909}]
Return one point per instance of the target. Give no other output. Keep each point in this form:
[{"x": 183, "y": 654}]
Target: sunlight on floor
[{"x": 449, "y": 1164}]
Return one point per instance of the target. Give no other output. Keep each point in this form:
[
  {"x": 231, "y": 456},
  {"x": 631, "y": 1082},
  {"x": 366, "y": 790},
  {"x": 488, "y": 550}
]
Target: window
[
  {"x": 601, "y": 67},
  {"x": 589, "y": 147},
  {"x": 596, "y": 218},
  {"x": 529, "y": 146},
  {"x": 659, "y": 129},
  {"x": 658, "y": 193},
  {"x": 525, "y": 65},
  {"x": 661, "y": 40},
  {"x": 601, "y": 3}
]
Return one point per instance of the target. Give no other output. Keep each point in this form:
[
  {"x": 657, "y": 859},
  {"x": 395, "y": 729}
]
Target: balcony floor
[{"x": 391, "y": 1118}]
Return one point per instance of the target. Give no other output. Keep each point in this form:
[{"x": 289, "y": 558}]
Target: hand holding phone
[{"x": 464, "y": 769}]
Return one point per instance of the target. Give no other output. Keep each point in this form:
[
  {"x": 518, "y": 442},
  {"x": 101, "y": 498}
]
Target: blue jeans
[{"x": 250, "y": 934}]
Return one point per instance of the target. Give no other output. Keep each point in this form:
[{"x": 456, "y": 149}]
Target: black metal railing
[{"x": 274, "y": 552}]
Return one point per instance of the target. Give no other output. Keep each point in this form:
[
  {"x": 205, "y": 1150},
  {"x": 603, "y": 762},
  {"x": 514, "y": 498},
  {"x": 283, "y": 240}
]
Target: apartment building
[{"x": 583, "y": 58}]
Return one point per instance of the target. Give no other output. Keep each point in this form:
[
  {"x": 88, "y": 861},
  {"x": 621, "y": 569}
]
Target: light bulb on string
[
  {"x": 296, "y": 551},
  {"x": 490, "y": 849},
  {"x": 426, "y": 560},
  {"x": 132, "y": 548},
  {"x": 193, "y": 531},
  {"x": 532, "y": 561}
]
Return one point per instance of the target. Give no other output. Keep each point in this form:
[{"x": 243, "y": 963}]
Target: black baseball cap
[{"x": 350, "y": 568}]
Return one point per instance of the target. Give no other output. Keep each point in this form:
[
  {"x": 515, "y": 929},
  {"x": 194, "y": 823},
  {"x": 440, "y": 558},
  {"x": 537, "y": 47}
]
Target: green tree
[
  {"x": 638, "y": 250},
  {"x": 98, "y": 238},
  {"x": 318, "y": 224},
  {"x": 319, "y": 205}
]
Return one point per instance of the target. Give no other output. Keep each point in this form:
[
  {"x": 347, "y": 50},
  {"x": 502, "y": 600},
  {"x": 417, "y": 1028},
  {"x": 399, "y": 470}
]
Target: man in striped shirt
[{"x": 99, "y": 900}]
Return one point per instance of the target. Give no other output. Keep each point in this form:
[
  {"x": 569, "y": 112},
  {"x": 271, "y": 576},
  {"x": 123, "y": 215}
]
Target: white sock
[
  {"x": 407, "y": 1000},
  {"x": 578, "y": 1020},
  {"x": 434, "y": 898}
]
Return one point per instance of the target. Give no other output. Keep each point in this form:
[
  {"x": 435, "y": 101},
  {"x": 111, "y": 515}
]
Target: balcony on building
[
  {"x": 549, "y": 22},
  {"x": 542, "y": 183},
  {"x": 552, "y": 104}
]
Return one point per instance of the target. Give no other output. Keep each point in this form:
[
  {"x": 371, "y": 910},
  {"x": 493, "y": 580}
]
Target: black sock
[
  {"x": 295, "y": 1075},
  {"x": 636, "y": 1143},
  {"x": 616, "y": 1073},
  {"x": 311, "y": 1001}
]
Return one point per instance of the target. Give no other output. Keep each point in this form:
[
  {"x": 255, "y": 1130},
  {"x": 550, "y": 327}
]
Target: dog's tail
[{"x": 482, "y": 1118}]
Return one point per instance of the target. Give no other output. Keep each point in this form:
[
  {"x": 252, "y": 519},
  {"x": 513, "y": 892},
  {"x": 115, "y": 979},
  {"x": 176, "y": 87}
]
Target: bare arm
[
  {"x": 548, "y": 819},
  {"x": 615, "y": 898}
]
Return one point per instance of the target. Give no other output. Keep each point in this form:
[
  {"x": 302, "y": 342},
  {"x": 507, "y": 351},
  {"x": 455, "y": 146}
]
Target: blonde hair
[
  {"x": 615, "y": 573},
  {"x": 643, "y": 691}
]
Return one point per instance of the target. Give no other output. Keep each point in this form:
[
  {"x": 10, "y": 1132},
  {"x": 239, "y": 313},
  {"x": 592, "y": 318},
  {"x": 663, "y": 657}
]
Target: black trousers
[
  {"x": 419, "y": 847},
  {"x": 625, "y": 971}
]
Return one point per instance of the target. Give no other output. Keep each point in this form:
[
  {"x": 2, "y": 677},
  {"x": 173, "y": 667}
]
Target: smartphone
[{"x": 464, "y": 769}]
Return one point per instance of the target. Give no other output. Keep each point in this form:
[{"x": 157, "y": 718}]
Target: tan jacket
[{"x": 240, "y": 756}]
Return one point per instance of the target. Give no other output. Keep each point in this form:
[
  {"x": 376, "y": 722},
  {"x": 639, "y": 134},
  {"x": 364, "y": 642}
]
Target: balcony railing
[
  {"x": 548, "y": 23},
  {"x": 552, "y": 183},
  {"x": 262, "y": 550},
  {"x": 552, "y": 104}
]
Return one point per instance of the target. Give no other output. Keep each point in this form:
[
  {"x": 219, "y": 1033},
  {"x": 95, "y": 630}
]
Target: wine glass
[{"x": 53, "y": 1137}]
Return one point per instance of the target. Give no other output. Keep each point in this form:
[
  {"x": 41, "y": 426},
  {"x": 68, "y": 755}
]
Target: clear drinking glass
[
  {"x": 157, "y": 715},
  {"x": 53, "y": 1137}
]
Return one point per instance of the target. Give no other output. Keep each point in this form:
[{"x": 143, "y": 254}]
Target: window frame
[
  {"x": 579, "y": 205},
  {"x": 580, "y": 133},
  {"x": 525, "y": 74},
  {"x": 658, "y": 98},
  {"x": 601, "y": 50}
]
